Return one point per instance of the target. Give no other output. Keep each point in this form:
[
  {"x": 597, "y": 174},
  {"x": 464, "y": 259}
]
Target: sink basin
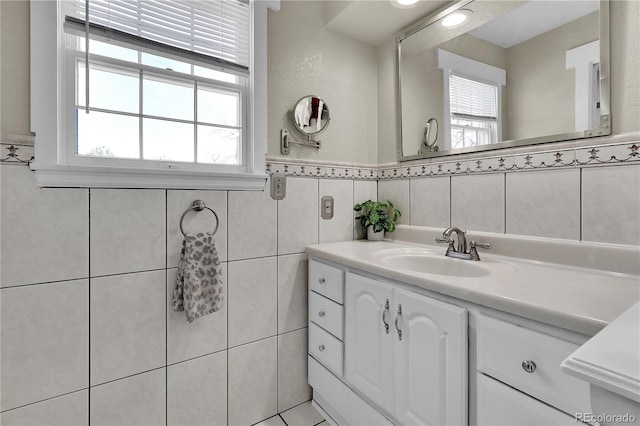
[{"x": 430, "y": 262}]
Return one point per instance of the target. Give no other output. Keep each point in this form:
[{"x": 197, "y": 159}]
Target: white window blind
[
  {"x": 214, "y": 32},
  {"x": 472, "y": 99}
]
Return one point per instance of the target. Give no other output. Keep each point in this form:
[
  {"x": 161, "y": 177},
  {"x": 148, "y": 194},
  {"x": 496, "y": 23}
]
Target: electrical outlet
[
  {"x": 278, "y": 187},
  {"x": 326, "y": 207}
]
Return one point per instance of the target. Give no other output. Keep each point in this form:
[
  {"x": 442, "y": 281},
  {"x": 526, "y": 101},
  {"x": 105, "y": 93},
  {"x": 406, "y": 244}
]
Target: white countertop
[
  {"x": 575, "y": 298},
  {"x": 610, "y": 359}
]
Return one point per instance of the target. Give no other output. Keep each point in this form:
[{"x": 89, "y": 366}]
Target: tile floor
[{"x": 300, "y": 415}]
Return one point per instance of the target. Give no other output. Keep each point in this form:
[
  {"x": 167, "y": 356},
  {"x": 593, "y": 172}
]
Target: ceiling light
[
  {"x": 456, "y": 19},
  {"x": 404, "y": 4}
]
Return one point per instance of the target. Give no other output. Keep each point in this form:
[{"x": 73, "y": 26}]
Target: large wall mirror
[{"x": 492, "y": 74}]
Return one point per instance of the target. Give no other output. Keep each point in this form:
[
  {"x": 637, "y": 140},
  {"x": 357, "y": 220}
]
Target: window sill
[{"x": 112, "y": 177}]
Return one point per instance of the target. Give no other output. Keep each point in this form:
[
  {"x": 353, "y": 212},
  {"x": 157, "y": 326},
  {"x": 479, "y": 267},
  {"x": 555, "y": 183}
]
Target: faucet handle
[
  {"x": 475, "y": 244},
  {"x": 473, "y": 252},
  {"x": 444, "y": 240}
]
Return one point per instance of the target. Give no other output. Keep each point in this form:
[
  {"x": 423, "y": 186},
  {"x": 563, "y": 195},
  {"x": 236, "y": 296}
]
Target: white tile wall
[
  {"x": 544, "y": 203},
  {"x": 128, "y": 230},
  {"x": 47, "y": 226},
  {"x": 252, "y": 224},
  {"x": 252, "y": 297},
  {"x": 397, "y": 191},
  {"x": 67, "y": 410},
  {"x": 45, "y": 341},
  {"x": 197, "y": 391},
  {"x": 340, "y": 226},
  {"x": 265, "y": 241},
  {"x": 431, "y": 201},
  {"x": 292, "y": 292},
  {"x": 298, "y": 215},
  {"x": 478, "y": 202},
  {"x": 253, "y": 382},
  {"x": 128, "y": 330},
  {"x": 611, "y": 204},
  {"x": 137, "y": 400},
  {"x": 137, "y": 345},
  {"x": 292, "y": 366},
  {"x": 206, "y": 335}
]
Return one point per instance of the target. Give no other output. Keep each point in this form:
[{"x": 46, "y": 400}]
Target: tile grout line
[
  {"x": 580, "y": 210},
  {"x": 89, "y": 306},
  {"x": 505, "y": 203},
  {"x": 226, "y": 344},
  {"x": 277, "y": 307},
  {"x": 166, "y": 306}
]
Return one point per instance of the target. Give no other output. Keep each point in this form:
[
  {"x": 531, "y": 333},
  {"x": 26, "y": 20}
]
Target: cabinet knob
[
  {"x": 529, "y": 366},
  {"x": 321, "y": 280},
  {"x": 321, "y": 348},
  {"x": 321, "y": 314}
]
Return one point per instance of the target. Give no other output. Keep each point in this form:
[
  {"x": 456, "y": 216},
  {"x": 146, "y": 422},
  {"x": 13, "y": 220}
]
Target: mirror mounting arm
[{"x": 286, "y": 140}]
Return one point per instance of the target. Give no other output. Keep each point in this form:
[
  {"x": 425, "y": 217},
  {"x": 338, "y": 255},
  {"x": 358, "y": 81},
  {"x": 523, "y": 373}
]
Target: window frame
[
  {"x": 49, "y": 92},
  {"x": 471, "y": 117},
  {"x": 452, "y": 64}
]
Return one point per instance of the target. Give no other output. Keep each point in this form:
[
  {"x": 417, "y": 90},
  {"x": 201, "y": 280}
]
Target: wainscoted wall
[
  {"x": 584, "y": 190},
  {"x": 87, "y": 328}
]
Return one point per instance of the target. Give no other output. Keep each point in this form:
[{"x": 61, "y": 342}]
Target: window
[
  {"x": 472, "y": 101},
  {"x": 473, "y": 109},
  {"x": 160, "y": 93}
]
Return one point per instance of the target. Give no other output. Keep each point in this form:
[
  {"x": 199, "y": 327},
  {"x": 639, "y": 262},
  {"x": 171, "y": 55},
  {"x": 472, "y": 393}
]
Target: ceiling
[
  {"x": 375, "y": 21},
  {"x": 378, "y": 21},
  {"x": 532, "y": 19}
]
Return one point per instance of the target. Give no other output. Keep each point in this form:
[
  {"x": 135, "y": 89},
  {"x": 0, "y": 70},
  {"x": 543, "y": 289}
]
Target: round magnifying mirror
[{"x": 310, "y": 116}]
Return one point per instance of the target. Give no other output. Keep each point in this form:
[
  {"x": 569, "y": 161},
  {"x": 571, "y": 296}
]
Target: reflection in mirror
[
  {"x": 430, "y": 139},
  {"x": 503, "y": 73},
  {"x": 310, "y": 115}
]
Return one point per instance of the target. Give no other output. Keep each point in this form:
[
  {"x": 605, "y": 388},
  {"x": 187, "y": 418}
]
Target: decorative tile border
[
  {"x": 13, "y": 154},
  {"x": 608, "y": 154},
  {"x": 19, "y": 150},
  {"x": 321, "y": 170},
  {"x": 16, "y": 150},
  {"x": 589, "y": 156}
]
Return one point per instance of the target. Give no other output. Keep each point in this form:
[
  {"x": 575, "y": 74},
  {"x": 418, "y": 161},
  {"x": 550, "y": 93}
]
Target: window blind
[
  {"x": 472, "y": 99},
  {"x": 211, "y": 31}
]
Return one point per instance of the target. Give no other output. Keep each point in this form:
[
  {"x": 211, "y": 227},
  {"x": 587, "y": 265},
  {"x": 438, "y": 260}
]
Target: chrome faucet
[{"x": 461, "y": 251}]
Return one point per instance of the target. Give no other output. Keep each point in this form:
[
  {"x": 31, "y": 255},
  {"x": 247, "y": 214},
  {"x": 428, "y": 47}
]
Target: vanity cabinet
[
  {"x": 405, "y": 352},
  {"x": 385, "y": 353}
]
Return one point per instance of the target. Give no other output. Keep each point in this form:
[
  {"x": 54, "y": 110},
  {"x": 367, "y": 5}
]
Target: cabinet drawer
[
  {"x": 325, "y": 348},
  {"x": 326, "y": 280},
  {"x": 498, "y": 404},
  {"x": 502, "y": 349},
  {"x": 326, "y": 313}
]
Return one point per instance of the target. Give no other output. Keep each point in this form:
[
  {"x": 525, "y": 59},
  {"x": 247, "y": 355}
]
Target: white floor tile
[
  {"x": 272, "y": 421},
  {"x": 302, "y": 415}
]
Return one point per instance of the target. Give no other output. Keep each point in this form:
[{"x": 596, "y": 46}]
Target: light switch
[
  {"x": 326, "y": 207},
  {"x": 278, "y": 187}
]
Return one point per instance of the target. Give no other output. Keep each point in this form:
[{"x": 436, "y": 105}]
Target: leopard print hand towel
[{"x": 199, "y": 286}]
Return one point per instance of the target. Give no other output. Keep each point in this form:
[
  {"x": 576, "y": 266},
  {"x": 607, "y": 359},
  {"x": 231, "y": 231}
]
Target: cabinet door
[
  {"x": 430, "y": 361},
  {"x": 368, "y": 344}
]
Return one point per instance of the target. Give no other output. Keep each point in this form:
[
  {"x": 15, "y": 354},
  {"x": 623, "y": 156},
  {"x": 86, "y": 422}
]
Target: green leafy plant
[{"x": 382, "y": 216}]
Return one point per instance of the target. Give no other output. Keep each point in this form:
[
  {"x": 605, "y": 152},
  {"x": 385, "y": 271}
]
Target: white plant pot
[{"x": 374, "y": 236}]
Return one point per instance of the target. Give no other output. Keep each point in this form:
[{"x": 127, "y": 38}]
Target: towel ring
[{"x": 198, "y": 205}]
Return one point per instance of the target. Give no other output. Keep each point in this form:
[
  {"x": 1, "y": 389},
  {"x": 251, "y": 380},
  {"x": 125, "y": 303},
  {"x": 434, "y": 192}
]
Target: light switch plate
[
  {"x": 278, "y": 187},
  {"x": 326, "y": 207}
]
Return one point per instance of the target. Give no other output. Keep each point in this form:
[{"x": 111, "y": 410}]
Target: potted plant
[{"x": 377, "y": 217}]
